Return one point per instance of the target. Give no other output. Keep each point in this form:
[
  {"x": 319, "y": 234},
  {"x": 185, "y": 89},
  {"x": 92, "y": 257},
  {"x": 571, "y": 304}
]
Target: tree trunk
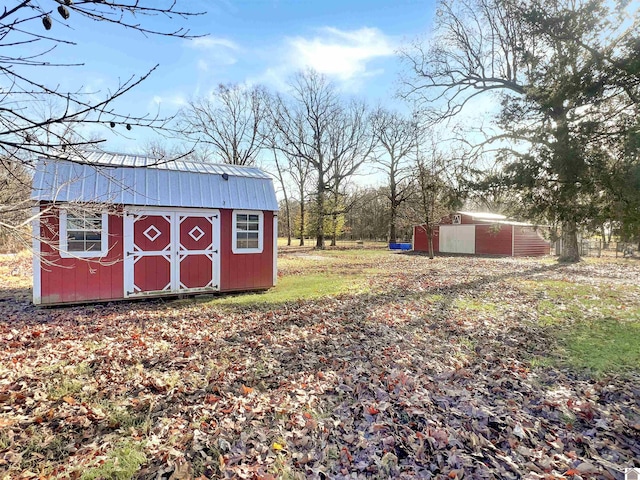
[
  {"x": 286, "y": 198},
  {"x": 605, "y": 245},
  {"x": 288, "y": 214},
  {"x": 393, "y": 236},
  {"x": 288, "y": 223},
  {"x": 570, "y": 249},
  {"x": 430, "y": 237},
  {"x": 320, "y": 214},
  {"x": 302, "y": 212},
  {"x": 334, "y": 229}
]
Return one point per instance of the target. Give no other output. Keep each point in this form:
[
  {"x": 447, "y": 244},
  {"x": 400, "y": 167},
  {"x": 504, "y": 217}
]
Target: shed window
[
  {"x": 248, "y": 231},
  {"x": 83, "y": 234}
]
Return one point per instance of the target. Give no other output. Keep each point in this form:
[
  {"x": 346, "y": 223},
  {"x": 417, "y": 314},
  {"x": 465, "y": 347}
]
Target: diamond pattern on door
[
  {"x": 152, "y": 233},
  {"x": 196, "y": 233}
]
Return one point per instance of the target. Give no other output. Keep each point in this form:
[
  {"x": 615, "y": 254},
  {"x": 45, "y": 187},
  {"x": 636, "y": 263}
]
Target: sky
[{"x": 353, "y": 42}]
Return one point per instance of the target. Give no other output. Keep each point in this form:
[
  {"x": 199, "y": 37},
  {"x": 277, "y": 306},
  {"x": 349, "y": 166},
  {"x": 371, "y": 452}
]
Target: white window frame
[
  {"x": 234, "y": 239},
  {"x": 104, "y": 239}
]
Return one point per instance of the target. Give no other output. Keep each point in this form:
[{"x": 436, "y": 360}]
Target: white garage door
[{"x": 458, "y": 238}]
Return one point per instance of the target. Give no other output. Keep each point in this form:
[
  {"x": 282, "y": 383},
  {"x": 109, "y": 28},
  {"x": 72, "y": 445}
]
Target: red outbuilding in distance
[
  {"x": 112, "y": 226},
  {"x": 476, "y": 233}
]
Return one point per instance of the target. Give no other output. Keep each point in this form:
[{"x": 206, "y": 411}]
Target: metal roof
[
  {"x": 125, "y": 160},
  {"x": 139, "y": 180},
  {"x": 496, "y": 218},
  {"x": 484, "y": 215}
]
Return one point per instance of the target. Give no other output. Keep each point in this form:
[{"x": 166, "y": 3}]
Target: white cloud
[
  {"x": 208, "y": 43},
  {"x": 173, "y": 100},
  {"x": 343, "y": 54},
  {"x": 214, "y": 52}
]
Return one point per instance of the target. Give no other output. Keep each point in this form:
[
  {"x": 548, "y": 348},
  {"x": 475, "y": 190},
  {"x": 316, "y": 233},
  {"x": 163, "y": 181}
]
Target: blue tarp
[{"x": 399, "y": 246}]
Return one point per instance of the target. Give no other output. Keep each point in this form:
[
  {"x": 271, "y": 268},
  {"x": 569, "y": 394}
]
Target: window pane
[
  {"x": 254, "y": 226},
  {"x": 242, "y": 226},
  {"x": 93, "y": 223},
  {"x": 241, "y": 218},
  {"x": 75, "y": 245},
  {"x": 252, "y": 243},
  {"x": 93, "y": 235},
  {"x": 93, "y": 246},
  {"x": 252, "y": 235},
  {"x": 74, "y": 223},
  {"x": 253, "y": 218}
]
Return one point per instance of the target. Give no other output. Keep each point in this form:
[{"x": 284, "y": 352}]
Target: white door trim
[{"x": 173, "y": 215}]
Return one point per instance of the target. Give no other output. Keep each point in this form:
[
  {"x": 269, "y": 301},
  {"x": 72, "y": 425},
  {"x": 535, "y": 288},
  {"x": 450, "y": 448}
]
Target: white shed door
[
  {"x": 458, "y": 238},
  {"x": 171, "y": 251}
]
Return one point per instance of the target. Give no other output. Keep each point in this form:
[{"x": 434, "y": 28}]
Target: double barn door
[{"x": 171, "y": 251}]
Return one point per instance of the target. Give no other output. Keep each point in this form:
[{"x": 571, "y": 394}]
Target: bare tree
[
  {"x": 287, "y": 206},
  {"x": 397, "y": 140},
  {"x": 14, "y": 204},
  {"x": 162, "y": 151},
  {"x": 352, "y": 142},
  {"x": 292, "y": 170},
  {"x": 226, "y": 125},
  {"x": 316, "y": 127},
  {"x": 437, "y": 186}
]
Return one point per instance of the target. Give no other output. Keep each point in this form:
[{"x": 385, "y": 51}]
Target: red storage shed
[
  {"x": 482, "y": 234},
  {"x": 111, "y": 226}
]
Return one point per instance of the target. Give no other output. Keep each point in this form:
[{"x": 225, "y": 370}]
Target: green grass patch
[
  {"x": 121, "y": 464},
  {"x": 298, "y": 287},
  {"x": 603, "y": 346},
  {"x": 64, "y": 387},
  {"x": 475, "y": 304},
  {"x": 597, "y": 326}
]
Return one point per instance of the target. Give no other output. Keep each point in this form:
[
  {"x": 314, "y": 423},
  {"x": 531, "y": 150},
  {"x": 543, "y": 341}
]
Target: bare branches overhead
[{"x": 44, "y": 25}]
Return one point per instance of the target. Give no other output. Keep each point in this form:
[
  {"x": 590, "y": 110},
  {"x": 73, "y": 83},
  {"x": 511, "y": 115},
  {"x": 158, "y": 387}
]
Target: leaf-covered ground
[{"x": 451, "y": 368}]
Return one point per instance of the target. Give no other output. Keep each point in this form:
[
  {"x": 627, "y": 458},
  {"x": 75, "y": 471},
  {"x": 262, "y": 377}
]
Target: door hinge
[
  {"x": 215, "y": 251},
  {"x": 215, "y": 216}
]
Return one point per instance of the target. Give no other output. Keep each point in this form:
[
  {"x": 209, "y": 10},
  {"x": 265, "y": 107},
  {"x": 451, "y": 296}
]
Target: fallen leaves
[{"x": 429, "y": 375}]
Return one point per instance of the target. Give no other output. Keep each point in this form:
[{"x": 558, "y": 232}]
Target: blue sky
[{"x": 264, "y": 42}]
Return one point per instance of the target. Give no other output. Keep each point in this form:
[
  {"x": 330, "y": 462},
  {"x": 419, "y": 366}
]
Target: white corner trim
[
  {"x": 234, "y": 232},
  {"x": 275, "y": 249},
  {"x": 37, "y": 273},
  {"x": 104, "y": 240}
]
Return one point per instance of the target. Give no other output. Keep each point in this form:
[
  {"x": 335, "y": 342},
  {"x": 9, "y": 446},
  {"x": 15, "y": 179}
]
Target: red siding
[
  {"x": 421, "y": 241},
  {"x": 74, "y": 280},
  {"x": 493, "y": 239},
  {"x": 529, "y": 243},
  {"x": 245, "y": 271}
]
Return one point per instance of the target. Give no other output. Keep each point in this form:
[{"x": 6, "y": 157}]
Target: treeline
[{"x": 558, "y": 146}]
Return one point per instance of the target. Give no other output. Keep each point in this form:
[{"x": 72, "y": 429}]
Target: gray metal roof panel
[
  {"x": 134, "y": 161},
  {"x": 65, "y": 181}
]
